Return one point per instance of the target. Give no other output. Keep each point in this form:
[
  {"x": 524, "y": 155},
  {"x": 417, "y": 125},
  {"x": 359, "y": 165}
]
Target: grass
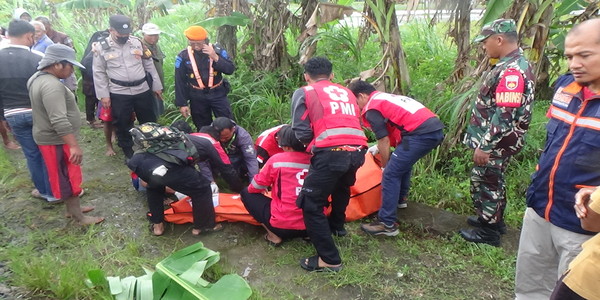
[{"x": 50, "y": 260}]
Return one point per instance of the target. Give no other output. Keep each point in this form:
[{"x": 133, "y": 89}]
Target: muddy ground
[{"x": 272, "y": 273}]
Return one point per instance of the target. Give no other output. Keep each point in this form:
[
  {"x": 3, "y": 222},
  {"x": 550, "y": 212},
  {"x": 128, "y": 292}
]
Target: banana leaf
[{"x": 177, "y": 277}]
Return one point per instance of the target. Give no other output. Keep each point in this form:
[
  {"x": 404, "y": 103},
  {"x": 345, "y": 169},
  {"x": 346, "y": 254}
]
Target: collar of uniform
[
  {"x": 516, "y": 52},
  {"x": 19, "y": 46}
]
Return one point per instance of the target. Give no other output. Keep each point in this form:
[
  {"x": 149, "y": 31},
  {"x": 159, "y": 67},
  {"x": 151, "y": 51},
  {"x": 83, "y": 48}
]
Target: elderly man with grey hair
[{"x": 42, "y": 41}]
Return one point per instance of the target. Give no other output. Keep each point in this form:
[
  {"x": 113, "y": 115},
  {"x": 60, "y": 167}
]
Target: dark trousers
[
  {"x": 396, "y": 177},
  {"x": 330, "y": 173},
  {"x": 91, "y": 101},
  {"x": 186, "y": 180},
  {"x": 123, "y": 106},
  {"x": 563, "y": 292},
  {"x": 259, "y": 207},
  {"x": 91, "y": 104},
  {"x": 204, "y": 105}
]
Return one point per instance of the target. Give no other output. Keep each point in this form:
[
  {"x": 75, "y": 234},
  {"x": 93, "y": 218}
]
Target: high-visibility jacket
[
  {"x": 334, "y": 115},
  {"x": 285, "y": 172},
  {"x": 403, "y": 113},
  {"x": 571, "y": 156},
  {"x": 266, "y": 140}
]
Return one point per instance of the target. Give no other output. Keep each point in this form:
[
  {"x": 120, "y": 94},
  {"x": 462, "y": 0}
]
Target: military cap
[
  {"x": 120, "y": 23},
  {"x": 496, "y": 27}
]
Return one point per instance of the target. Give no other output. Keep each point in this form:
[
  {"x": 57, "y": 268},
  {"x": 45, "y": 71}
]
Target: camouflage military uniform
[{"x": 499, "y": 130}]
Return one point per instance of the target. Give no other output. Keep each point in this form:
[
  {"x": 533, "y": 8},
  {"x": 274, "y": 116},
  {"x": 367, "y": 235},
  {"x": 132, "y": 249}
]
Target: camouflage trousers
[{"x": 488, "y": 189}]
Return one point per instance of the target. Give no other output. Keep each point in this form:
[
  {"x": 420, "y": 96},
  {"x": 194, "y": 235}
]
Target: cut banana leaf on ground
[{"x": 178, "y": 277}]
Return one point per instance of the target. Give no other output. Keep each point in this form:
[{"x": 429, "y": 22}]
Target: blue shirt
[{"x": 42, "y": 44}]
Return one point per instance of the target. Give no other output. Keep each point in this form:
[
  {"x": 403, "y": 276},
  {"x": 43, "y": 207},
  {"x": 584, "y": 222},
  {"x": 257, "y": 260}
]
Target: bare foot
[
  {"x": 273, "y": 238},
  {"x": 110, "y": 152},
  {"x": 11, "y": 145},
  {"x": 90, "y": 220},
  {"x": 323, "y": 264},
  {"x": 157, "y": 229},
  {"x": 113, "y": 137},
  {"x": 84, "y": 209}
]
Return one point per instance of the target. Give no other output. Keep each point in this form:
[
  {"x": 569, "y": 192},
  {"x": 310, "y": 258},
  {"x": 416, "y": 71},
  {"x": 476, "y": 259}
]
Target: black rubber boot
[
  {"x": 474, "y": 221},
  {"x": 487, "y": 234}
]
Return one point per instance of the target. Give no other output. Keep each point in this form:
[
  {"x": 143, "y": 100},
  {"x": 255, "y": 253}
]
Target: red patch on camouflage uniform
[{"x": 510, "y": 89}]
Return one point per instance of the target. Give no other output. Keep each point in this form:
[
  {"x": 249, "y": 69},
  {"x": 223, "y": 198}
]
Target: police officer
[
  {"x": 199, "y": 78},
  {"x": 499, "y": 120},
  {"x": 326, "y": 115},
  {"x": 150, "y": 33},
  {"x": 238, "y": 145},
  {"x": 122, "y": 71}
]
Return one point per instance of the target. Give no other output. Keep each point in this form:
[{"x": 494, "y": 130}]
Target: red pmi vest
[
  {"x": 334, "y": 115},
  {"x": 215, "y": 144},
  {"x": 285, "y": 172},
  {"x": 403, "y": 111},
  {"x": 267, "y": 141}
]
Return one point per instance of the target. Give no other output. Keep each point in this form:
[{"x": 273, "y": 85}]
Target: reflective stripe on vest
[
  {"x": 258, "y": 186},
  {"x": 339, "y": 131},
  {"x": 569, "y": 118},
  {"x": 290, "y": 165},
  {"x": 211, "y": 71}
]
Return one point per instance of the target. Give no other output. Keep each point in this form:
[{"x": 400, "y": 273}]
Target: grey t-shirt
[{"x": 55, "y": 112}]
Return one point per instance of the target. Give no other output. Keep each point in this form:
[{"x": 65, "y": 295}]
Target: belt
[
  {"x": 348, "y": 148},
  {"x": 128, "y": 83},
  {"x": 206, "y": 88}
]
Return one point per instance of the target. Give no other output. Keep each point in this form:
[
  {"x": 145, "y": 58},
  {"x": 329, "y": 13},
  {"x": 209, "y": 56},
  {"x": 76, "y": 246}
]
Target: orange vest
[{"x": 334, "y": 115}]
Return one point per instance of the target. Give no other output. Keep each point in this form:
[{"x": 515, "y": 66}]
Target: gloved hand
[
  {"x": 373, "y": 150},
  {"x": 214, "y": 187}
]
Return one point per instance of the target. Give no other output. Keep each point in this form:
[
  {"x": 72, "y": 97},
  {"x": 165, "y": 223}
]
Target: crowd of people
[{"x": 296, "y": 172}]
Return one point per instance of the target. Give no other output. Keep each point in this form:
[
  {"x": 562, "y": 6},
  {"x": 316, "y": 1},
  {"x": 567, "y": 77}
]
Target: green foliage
[
  {"x": 236, "y": 19},
  {"x": 431, "y": 60},
  {"x": 494, "y": 9}
]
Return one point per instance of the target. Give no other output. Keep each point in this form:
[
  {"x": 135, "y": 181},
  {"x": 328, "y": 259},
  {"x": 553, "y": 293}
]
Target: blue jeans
[
  {"x": 21, "y": 126},
  {"x": 396, "y": 176}
]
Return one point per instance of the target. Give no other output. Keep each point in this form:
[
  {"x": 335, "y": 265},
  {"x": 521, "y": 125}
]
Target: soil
[{"x": 274, "y": 273}]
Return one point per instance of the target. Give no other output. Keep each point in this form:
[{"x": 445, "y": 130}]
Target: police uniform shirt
[{"x": 124, "y": 63}]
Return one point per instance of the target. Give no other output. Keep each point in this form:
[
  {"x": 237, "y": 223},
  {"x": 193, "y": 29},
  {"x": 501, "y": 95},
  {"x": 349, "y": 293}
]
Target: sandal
[
  {"x": 217, "y": 227},
  {"x": 151, "y": 228},
  {"x": 313, "y": 265},
  {"x": 271, "y": 243}
]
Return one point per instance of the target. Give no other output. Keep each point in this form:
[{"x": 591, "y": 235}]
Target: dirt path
[{"x": 412, "y": 266}]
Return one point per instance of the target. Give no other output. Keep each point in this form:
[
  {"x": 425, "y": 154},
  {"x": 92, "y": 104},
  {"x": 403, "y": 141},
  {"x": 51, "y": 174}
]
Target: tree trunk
[
  {"x": 226, "y": 35},
  {"x": 460, "y": 34},
  {"x": 269, "y": 23},
  {"x": 401, "y": 79}
]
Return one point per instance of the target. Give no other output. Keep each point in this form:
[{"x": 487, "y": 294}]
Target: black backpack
[
  {"x": 167, "y": 143},
  {"x": 88, "y": 55}
]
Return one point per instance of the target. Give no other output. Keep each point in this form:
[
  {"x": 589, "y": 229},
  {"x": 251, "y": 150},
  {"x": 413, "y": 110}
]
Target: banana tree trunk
[
  {"x": 401, "y": 79},
  {"x": 226, "y": 34}
]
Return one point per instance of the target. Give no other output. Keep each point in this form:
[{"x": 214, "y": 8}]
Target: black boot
[
  {"x": 487, "y": 234},
  {"x": 474, "y": 221}
]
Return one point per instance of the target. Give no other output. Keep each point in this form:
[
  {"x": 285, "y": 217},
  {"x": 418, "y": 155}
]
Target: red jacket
[
  {"x": 402, "y": 111},
  {"x": 216, "y": 144},
  {"x": 334, "y": 115},
  {"x": 284, "y": 172},
  {"x": 267, "y": 141}
]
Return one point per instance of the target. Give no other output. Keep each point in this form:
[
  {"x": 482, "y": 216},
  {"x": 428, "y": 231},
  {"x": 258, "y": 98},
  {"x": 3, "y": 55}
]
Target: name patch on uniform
[
  {"x": 561, "y": 99},
  {"x": 510, "y": 89}
]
